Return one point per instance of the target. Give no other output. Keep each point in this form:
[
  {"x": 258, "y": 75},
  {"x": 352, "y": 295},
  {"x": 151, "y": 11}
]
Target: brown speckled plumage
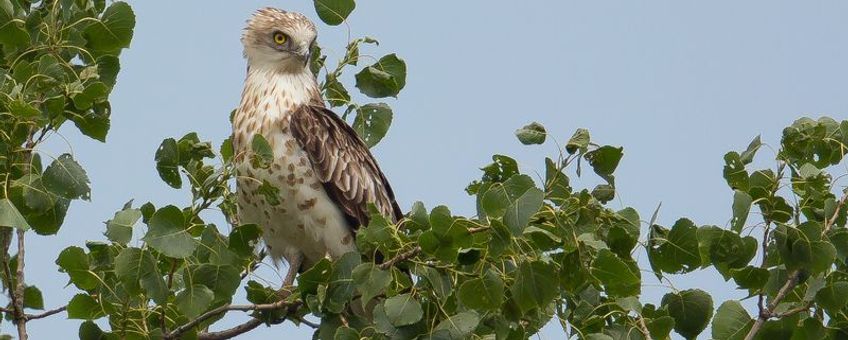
[{"x": 325, "y": 173}]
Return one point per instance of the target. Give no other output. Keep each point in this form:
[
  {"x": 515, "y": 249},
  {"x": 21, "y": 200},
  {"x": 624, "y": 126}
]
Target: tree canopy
[{"x": 538, "y": 250}]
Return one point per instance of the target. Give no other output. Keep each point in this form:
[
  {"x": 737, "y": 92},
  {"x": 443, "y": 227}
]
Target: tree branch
[
  {"x": 791, "y": 283},
  {"x": 226, "y": 308},
  {"x": 46, "y": 314},
  {"x": 401, "y": 257},
  {"x": 232, "y": 332},
  {"x": 644, "y": 328},
  {"x": 20, "y": 317}
]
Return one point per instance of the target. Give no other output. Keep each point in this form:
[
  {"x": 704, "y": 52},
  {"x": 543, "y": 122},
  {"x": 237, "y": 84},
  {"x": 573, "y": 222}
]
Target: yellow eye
[{"x": 280, "y": 38}]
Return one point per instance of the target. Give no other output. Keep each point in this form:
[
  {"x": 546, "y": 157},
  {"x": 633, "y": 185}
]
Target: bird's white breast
[{"x": 305, "y": 220}]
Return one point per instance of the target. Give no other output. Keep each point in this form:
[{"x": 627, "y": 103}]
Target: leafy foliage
[{"x": 537, "y": 250}]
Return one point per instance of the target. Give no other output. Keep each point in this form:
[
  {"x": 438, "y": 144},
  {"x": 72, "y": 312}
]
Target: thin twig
[
  {"x": 46, "y": 314},
  {"x": 401, "y": 257},
  {"x": 226, "y": 308}
]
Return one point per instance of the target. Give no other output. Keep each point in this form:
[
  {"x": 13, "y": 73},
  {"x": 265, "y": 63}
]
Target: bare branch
[
  {"x": 226, "y": 308},
  {"x": 46, "y": 314},
  {"x": 232, "y": 332},
  {"x": 644, "y": 328},
  {"x": 767, "y": 314},
  {"x": 20, "y": 317},
  {"x": 401, "y": 257}
]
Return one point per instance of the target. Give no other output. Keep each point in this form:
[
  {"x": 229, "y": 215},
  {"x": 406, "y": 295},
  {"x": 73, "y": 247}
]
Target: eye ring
[{"x": 280, "y": 38}]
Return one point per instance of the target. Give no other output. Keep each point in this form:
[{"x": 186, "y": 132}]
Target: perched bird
[{"x": 324, "y": 172}]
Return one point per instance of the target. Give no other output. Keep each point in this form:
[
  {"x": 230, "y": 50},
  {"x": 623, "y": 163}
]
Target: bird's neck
[{"x": 273, "y": 88}]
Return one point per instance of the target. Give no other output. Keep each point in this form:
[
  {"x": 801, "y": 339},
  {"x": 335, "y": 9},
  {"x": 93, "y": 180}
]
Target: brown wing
[{"x": 344, "y": 164}]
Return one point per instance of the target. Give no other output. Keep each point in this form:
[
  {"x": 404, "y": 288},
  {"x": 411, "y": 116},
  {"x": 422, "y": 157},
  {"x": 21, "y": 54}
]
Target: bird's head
[{"x": 278, "y": 40}]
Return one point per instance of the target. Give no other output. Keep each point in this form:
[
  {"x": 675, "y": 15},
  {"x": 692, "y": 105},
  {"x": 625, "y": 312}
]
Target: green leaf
[
  {"x": 833, "y": 297},
  {"x": 447, "y": 236},
  {"x": 335, "y": 92},
  {"x": 734, "y": 172},
  {"x": 517, "y": 200},
  {"x": 74, "y": 261},
  {"x": 138, "y": 271},
  {"x": 741, "y": 206},
  {"x": 227, "y": 150},
  {"x": 579, "y": 141},
  {"x": 603, "y": 193},
  {"x": 84, "y": 307},
  {"x": 66, "y": 178},
  {"x": 484, "y": 293},
  {"x": 457, "y": 327},
  {"x": 441, "y": 284},
  {"x": 12, "y": 33},
  {"x": 535, "y": 285},
  {"x": 244, "y": 238},
  {"x": 95, "y": 122},
  {"x": 114, "y": 30},
  {"x": 167, "y": 163},
  {"x": 691, "y": 309},
  {"x": 119, "y": 228},
  {"x": 557, "y": 186},
  {"x": 33, "y": 298},
  {"x": 748, "y": 155},
  {"x": 263, "y": 154},
  {"x": 194, "y": 300},
  {"x": 533, "y": 133},
  {"x": 90, "y": 331},
  {"x": 334, "y": 12},
  {"x": 341, "y": 287},
  {"x": 370, "y": 280},
  {"x": 10, "y": 216},
  {"x": 403, "y": 310},
  {"x": 750, "y": 277},
  {"x": 605, "y": 159},
  {"x": 675, "y": 251},
  {"x": 168, "y": 235},
  {"x": 618, "y": 277},
  {"x": 372, "y": 122},
  {"x": 383, "y": 79},
  {"x": 223, "y": 280},
  {"x": 95, "y": 92},
  {"x": 731, "y": 322},
  {"x": 346, "y": 333},
  {"x": 269, "y": 192}
]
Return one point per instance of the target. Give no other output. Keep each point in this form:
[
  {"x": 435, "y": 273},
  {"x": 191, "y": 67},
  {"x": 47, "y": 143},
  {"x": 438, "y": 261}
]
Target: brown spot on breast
[
  {"x": 309, "y": 173},
  {"x": 300, "y": 226},
  {"x": 308, "y": 204},
  {"x": 322, "y": 221},
  {"x": 290, "y": 180},
  {"x": 346, "y": 239},
  {"x": 277, "y": 166},
  {"x": 315, "y": 185},
  {"x": 291, "y": 167}
]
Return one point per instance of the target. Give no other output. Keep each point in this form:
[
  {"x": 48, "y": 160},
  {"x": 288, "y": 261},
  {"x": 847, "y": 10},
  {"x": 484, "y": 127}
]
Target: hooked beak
[{"x": 306, "y": 55}]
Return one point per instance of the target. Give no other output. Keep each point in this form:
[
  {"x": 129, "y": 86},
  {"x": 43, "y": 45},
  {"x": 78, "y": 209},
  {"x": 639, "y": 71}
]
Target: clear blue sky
[{"x": 677, "y": 83}]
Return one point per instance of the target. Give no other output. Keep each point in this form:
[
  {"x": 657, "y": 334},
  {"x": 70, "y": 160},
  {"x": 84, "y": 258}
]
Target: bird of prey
[{"x": 325, "y": 174}]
